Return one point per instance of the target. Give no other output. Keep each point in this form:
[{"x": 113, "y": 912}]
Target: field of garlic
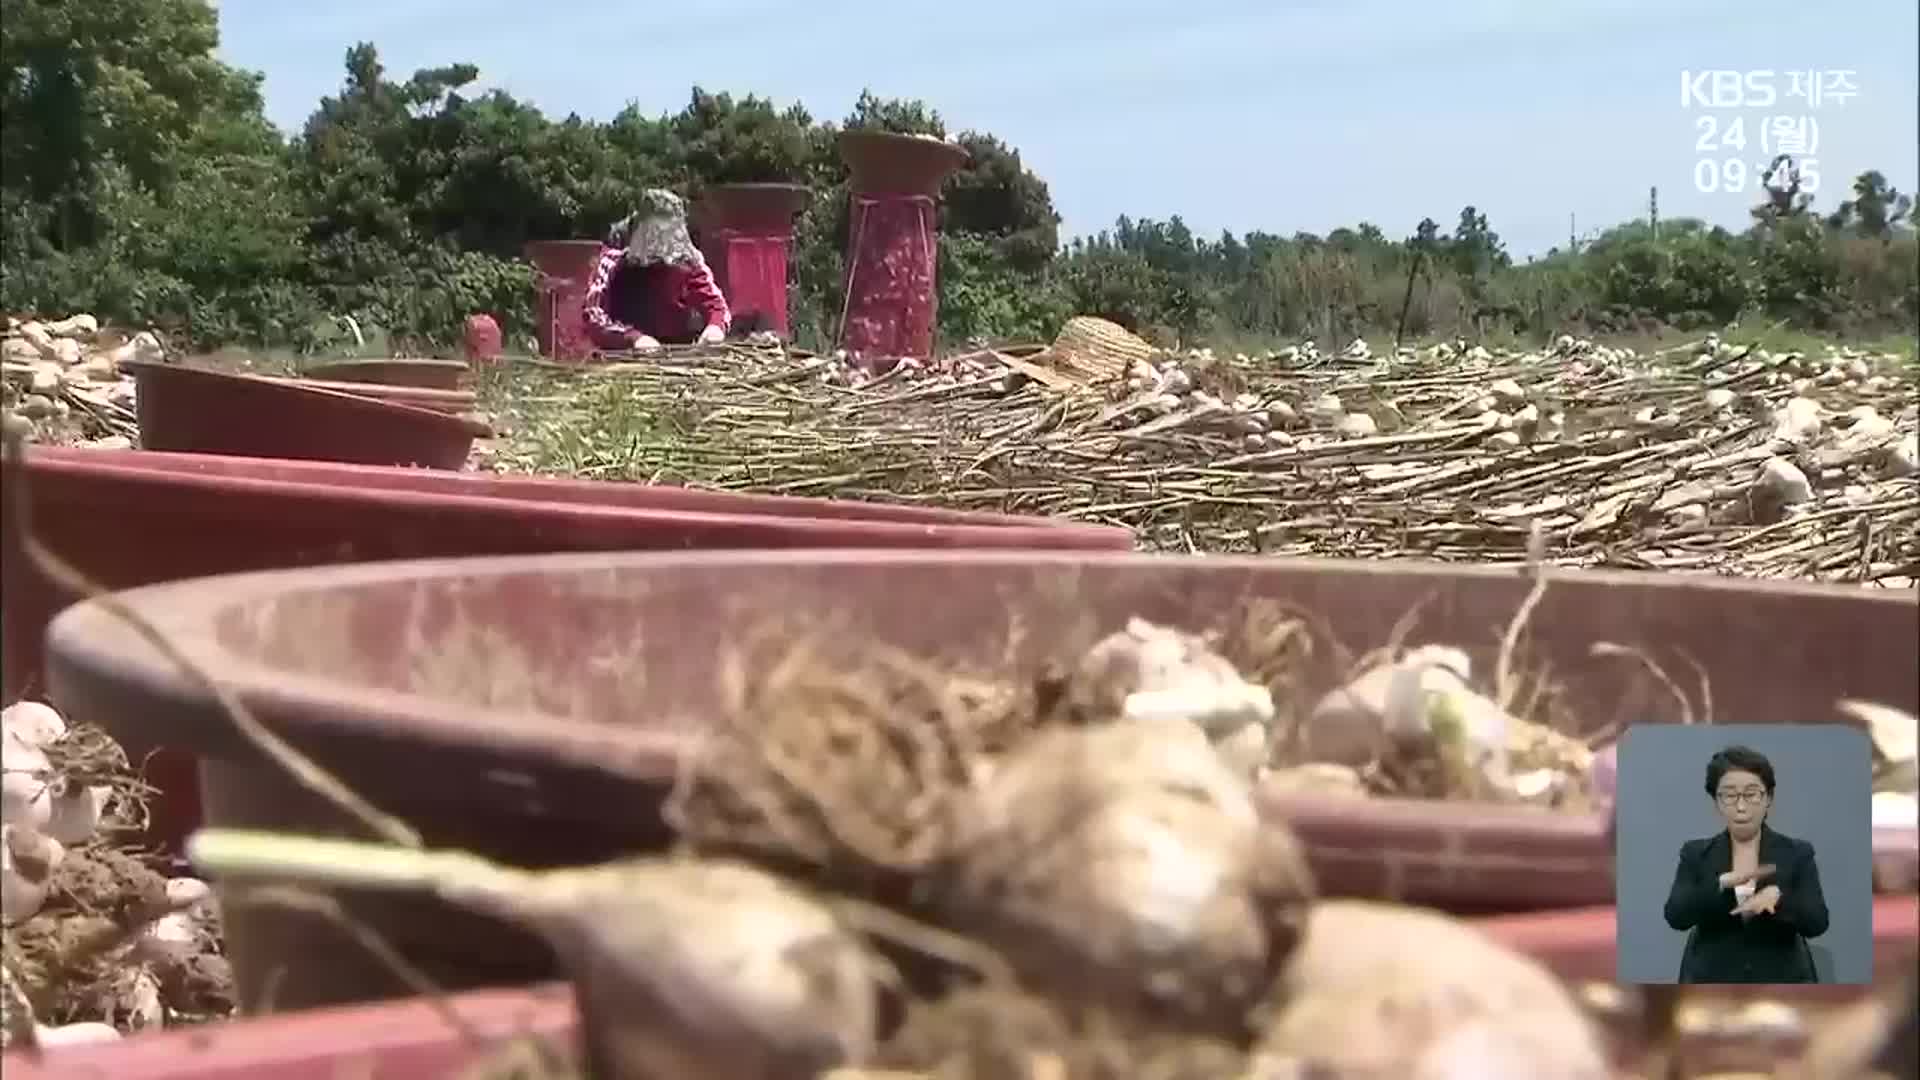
[{"x": 1712, "y": 456}]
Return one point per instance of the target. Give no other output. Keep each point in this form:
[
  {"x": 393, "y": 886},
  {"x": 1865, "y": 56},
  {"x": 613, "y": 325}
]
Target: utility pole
[{"x": 1653, "y": 211}]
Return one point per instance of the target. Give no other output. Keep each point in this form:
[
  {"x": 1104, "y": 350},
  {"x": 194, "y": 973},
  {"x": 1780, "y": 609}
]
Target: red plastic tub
[
  {"x": 427, "y": 374},
  {"x": 412, "y": 1040},
  {"x": 1579, "y": 946},
  {"x": 130, "y": 518},
  {"x": 397, "y": 1040},
  {"x": 200, "y": 411},
  {"x": 533, "y": 709},
  {"x": 745, "y": 233},
  {"x": 563, "y": 267},
  {"x": 450, "y": 402},
  {"x": 893, "y": 241}
]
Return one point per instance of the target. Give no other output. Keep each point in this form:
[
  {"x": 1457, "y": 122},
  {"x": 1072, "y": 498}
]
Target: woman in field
[{"x": 651, "y": 286}]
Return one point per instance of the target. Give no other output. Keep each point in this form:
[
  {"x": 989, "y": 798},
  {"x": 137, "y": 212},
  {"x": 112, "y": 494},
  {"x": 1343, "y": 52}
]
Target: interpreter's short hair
[{"x": 1743, "y": 759}]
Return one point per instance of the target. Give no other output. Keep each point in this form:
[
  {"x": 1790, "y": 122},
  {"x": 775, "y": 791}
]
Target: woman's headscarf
[{"x": 656, "y": 232}]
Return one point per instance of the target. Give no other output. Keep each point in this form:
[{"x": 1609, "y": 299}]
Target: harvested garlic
[
  {"x": 1781, "y": 483},
  {"x": 1357, "y": 426},
  {"x": 47, "y": 378},
  {"x": 35, "y": 334},
  {"x": 1798, "y": 420},
  {"x": 137, "y": 1003},
  {"x": 143, "y": 346},
  {"x": 172, "y": 937},
  {"x": 26, "y": 795},
  {"x": 31, "y": 723},
  {"x": 1150, "y": 672},
  {"x": 773, "y": 985},
  {"x": 86, "y": 1033},
  {"x": 74, "y": 326},
  {"x": 1895, "y": 734},
  {"x": 1125, "y": 864},
  {"x": 75, "y": 811},
  {"x": 1903, "y": 458},
  {"x": 1327, "y": 409},
  {"x": 28, "y": 861},
  {"x": 1380, "y": 990},
  {"x": 184, "y": 891},
  {"x": 1349, "y": 725}
]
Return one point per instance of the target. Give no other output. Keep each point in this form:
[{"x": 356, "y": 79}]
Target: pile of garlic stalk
[
  {"x": 52, "y": 367},
  {"x": 53, "y": 825}
]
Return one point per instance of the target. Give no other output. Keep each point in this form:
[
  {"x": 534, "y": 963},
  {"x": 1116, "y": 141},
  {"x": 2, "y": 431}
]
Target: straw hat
[{"x": 1095, "y": 350}]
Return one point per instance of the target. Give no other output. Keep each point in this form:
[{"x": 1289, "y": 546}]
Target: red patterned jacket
[{"x": 671, "y": 303}]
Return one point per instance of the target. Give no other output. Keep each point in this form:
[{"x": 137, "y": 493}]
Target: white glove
[
  {"x": 645, "y": 343},
  {"x": 712, "y": 335}
]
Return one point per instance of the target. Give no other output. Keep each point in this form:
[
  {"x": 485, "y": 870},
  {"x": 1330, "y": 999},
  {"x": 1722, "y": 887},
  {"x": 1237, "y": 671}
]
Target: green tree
[
  {"x": 127, "y": 84},
  {"x": 1875, "y": 210},
  {"x": 996, "y": 196}
]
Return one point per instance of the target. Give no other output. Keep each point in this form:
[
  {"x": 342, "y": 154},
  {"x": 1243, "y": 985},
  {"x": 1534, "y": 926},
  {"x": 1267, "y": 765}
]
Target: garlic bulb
[
  {"x": 28, "y": 861},
  {"x": 31, "y": 723},
  {"x": 26, "y": 798},
  {"x": 75, "y": 811}
]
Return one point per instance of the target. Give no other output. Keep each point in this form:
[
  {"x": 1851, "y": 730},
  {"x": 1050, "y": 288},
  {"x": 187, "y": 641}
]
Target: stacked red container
[
  {"x": 562, "y": 267},
  {"x": 893, "y": 241},
  {"x": 746, "y": 232}
]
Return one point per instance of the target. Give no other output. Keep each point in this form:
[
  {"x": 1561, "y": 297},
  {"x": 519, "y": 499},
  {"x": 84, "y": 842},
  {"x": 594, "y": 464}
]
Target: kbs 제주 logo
[{"x": 1752, "y": 128}]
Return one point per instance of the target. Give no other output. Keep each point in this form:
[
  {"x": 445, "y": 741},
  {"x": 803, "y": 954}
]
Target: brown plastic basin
[
  {"x": 128, "y": 517},
  {"x": 411, "y": 1040},
  {"x": 531, "y": 708},
  {"x": 199, "y": 411},
  {"x": 427, "y": 374}
]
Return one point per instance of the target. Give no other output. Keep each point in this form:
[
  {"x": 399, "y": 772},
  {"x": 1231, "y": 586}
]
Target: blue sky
[{"x": 1236, "y": 114}]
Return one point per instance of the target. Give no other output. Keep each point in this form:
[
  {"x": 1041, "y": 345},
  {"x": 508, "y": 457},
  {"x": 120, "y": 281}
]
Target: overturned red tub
[
  {"x": 202, "y": 411},
  {"x": 128, "y": 518},
  {"x": 534, "y": 709}
]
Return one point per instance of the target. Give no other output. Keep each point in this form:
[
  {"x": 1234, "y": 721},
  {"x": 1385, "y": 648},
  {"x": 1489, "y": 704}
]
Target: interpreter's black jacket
[{"x": 1725, "y": 948}]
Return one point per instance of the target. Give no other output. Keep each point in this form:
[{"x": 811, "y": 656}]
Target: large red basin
[{"x": 130, "y": 518}]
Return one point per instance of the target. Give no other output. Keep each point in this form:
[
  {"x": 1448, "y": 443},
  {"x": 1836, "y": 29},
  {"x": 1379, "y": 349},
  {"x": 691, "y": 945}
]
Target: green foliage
[
  {"x": 139, "y": 180},
  {"x": 985, "y": 296}
]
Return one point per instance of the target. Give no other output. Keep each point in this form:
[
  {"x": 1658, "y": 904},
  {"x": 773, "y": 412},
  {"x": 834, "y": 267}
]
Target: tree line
[{"x": 140, "y": 180}]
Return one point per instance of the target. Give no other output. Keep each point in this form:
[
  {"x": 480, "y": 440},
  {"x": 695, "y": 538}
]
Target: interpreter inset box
[{"x": 1743, "y": 853}]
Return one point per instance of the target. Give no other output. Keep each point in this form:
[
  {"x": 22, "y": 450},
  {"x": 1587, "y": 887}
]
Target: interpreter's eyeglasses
[{"x": 1752, "y": 796}]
